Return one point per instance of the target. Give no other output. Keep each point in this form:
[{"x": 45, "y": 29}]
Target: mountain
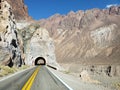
[{"x": 86, "y": 37}]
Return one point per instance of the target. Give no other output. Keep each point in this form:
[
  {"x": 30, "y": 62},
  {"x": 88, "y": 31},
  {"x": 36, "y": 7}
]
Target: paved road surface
[
  {"x": 44, "y": 80},
  {"x": 17, "y": 81}
]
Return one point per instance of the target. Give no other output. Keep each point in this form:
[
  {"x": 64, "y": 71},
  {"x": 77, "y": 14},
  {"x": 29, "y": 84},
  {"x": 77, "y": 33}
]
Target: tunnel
[{"x": 40, "y": 61}]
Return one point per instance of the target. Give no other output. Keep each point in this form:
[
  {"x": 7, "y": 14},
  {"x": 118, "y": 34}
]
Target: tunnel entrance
[{"x": 40, "y": 61}]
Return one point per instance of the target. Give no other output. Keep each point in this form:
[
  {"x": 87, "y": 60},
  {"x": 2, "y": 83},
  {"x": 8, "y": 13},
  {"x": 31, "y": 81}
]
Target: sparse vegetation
[
  {"x": 66, "y": 72},
  {"x": 23, "y": 67},
  {"x": 117, "y": 85},
  {"x": 5, "y": 70}
]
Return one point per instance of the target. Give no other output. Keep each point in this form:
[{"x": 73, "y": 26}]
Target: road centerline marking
[{"x": 30, "y": 81}]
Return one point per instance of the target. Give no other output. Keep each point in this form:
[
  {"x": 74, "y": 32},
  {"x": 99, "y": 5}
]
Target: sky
[{"x": 40, "y": 9}]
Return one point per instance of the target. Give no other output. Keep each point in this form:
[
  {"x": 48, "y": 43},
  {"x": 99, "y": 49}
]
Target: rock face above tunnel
[
  {"x": 41, "y": 45},
  {"x": 10, "y": 53}
]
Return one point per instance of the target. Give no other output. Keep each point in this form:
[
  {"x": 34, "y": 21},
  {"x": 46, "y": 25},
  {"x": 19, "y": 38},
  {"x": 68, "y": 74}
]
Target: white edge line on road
[
  {"x": 11, "y": 75},
  {"x": 61, "y": 80}
]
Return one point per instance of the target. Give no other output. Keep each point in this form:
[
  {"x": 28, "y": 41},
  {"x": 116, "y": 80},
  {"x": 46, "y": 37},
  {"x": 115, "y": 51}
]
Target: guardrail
[{"x": 52, "y": 67}]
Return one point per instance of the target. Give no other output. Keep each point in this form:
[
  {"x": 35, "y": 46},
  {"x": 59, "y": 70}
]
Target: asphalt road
[
  {"x": 16, "y": 81},
  {"x": 44, "y": 80}
]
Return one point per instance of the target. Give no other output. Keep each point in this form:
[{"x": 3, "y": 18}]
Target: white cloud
[{"x": 108, "y": 6}]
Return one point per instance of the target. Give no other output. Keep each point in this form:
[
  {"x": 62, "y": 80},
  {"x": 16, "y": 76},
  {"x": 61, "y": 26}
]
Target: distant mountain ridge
[{"x": 90, "y": 36}]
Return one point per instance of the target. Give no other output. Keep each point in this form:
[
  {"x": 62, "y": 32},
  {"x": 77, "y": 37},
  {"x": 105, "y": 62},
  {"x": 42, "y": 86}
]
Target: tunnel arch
[{"x": 40, "y": 61}]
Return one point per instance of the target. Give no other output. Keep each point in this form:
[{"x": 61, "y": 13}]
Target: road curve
[{"x": 43, "y": 79}]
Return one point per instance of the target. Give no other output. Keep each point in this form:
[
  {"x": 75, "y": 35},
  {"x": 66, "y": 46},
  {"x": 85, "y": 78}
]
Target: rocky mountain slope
[
  {"x": 86, "y": 37},
  {"x": 19, "y": 9}
]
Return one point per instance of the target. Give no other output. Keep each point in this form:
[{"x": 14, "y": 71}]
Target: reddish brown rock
[{"x": 20, "y": 10}]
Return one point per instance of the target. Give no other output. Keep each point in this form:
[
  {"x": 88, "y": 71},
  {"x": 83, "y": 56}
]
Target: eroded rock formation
[
  {"x": 10, "y": 51},
  {"x": 41, "y": 45},
  {"x": 37, "y": 43}
]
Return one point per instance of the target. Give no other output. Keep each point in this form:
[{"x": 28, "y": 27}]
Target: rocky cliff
[
  {"x": 19, "y": 9},
  {"x": 23, "y": 42},
  {"x": 10, "y": 43},
  {"x": 37, "y": 43},
  {"x": 86, "y": 37}
]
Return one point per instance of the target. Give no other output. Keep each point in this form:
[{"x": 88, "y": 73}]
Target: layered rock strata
[{"x": 86, "y": 37}]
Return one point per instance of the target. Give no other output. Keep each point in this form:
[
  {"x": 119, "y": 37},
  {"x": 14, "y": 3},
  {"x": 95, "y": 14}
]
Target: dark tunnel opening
[{"x": 40, "y": 61}]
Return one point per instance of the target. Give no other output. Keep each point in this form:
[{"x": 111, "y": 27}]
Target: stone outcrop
[
  {"x": 41, "y": 45},
  {"x": 86, "y": 77},
  {"x": 86, "y": 37},
  {"x": 10, "y": 49},
  {"x": 19, "y": 9},
  {"x": 37, "y": 43},
  {"x": 99, "y": 70},
  {"x": 114, "y": 10}
]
